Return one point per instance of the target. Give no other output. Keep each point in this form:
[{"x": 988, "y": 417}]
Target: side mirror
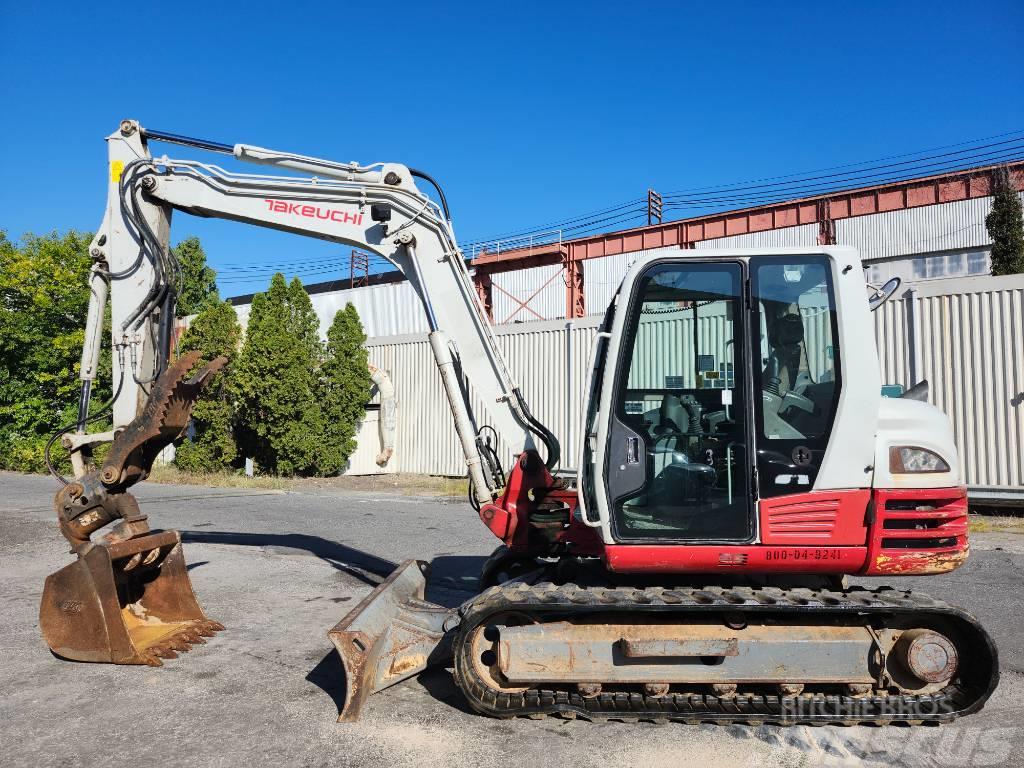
[
  {"x": 917, "y": 392},
  {"x": 882, "y": 294}
]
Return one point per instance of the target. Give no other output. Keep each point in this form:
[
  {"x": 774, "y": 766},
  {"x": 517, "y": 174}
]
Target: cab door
[{"x": 678, "y": 450}]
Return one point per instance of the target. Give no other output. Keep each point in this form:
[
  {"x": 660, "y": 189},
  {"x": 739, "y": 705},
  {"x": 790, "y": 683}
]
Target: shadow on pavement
[
  {"x": 453, "y": 580},
  {"x": 329, "y": 676},
  {"x": 368, "y": 568}
]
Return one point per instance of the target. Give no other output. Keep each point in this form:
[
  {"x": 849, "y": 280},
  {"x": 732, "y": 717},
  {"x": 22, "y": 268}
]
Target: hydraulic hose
[
  {"x": 104, "y": 409},
  {"x": 440, "y": 192},
  {"x": 554, "y": 449}
]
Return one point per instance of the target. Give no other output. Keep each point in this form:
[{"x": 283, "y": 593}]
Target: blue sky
[{"x": 526, "y": 112}]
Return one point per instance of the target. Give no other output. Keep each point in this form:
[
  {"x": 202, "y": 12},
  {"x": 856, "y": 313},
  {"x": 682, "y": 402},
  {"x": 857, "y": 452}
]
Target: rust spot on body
[{"x": 921, "y": 562}]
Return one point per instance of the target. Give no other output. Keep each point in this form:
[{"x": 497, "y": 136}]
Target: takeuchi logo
[{"x": 314, "y": 212}]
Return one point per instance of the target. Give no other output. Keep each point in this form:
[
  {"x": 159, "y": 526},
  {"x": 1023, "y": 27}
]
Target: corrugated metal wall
[
  {"x": 970, "y": 347},
  {"x": 426, "y": 442},
  {"x": 917, "y": 230},
  {"x": 971, "y": 350},
  {"x": 805, "y": 234},
  {"x": 542, "y": 289},
  {"x": 602, "y": 276},
  {"x": 391, "y": 309}
]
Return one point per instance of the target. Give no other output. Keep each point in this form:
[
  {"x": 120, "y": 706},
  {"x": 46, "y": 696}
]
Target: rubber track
[{"x": 572, "y": 600}]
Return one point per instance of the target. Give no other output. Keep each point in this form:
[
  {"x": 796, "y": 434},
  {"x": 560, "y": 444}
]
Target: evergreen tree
[
  {"x": 1005, "y": 226},
  {"x": 198, "y": 280},
  {"x": 346, "y": 388},
  {"x": 212, "y": 447},
  {"x": 279, "y": 420}
]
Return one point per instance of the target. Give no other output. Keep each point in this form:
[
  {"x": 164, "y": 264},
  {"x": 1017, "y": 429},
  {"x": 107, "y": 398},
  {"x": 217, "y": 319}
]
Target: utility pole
[
  {"x": 653, "y": 207},
  {"x": 358, "y": 270}
]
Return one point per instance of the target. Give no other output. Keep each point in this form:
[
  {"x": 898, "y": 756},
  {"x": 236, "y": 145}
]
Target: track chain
[{"x": 753, "y": 708}]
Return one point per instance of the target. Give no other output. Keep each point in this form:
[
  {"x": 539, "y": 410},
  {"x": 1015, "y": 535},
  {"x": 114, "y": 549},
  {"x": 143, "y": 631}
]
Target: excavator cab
[
  {"x": 722, "y": 385},
  {"x": 680, "y": 410}
]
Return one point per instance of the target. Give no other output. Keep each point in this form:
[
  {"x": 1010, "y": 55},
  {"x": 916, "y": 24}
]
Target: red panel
[
  {"x": 839, "y": 208},
  {"x": 890, "y": 201},
  {"x": 809, "y": 213},
  {"x": 632, "y": 243},
  {"x": 714, "y": 229},
  {"x": 918, "y": 531},
  {"x": 923, "y": 194},
  {"x": 753, "y": 558},
  {"x": 497, "y": 520},
  {"x": 736, "y": 225},
  {"x": 787, "y": 217},
  {"x": 862, "y": 204},
  {"x": 951, "y": 190},
  {"x": 979, "y": 186},
  {"x": 760, "y": 221},
  {"x": 833, "y": 518}
]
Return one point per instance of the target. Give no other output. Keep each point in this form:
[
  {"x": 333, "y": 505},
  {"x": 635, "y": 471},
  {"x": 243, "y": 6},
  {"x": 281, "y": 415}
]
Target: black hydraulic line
[
  {"x": 163, "y": 346},
  {"x": 546, "y": 436},
  {"x": 127, "y": 175},
  {"x": 428, "y": 178},
  {"x": 188, "y": 141},
  {"x": 104, "y": 409}
]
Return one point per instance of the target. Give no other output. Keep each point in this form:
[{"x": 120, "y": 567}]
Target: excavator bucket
[
  {"x": 127, "y": 598},
  {"x": 124, "y": 603},
  {"x": 393, "y": 634}
]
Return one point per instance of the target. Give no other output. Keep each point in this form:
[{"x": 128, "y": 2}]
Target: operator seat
[{"x": 785, "y": 335}]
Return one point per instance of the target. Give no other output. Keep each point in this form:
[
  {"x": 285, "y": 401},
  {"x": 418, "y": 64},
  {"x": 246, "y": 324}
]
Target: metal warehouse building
[{"x": 951, "y": 322}]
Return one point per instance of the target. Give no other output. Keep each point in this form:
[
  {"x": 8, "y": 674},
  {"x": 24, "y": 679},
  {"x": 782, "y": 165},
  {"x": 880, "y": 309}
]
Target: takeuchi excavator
[{"x": 737, "y": 463}]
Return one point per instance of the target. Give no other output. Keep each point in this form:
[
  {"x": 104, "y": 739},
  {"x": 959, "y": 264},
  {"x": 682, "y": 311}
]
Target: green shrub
[
  {"x": 279, "y": 419},
  {"x": 1005, "y": 225},
  {"x": 346, "y": 386},
  {"x": 211, "y": 446}
]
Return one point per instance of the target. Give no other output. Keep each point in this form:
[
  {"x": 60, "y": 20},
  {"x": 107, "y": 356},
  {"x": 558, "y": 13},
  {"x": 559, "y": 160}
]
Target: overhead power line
[{"x": 990, "y": 150}]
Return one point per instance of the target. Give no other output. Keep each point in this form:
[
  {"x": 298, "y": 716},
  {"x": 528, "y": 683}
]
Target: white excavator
[{"x": 738, "y": 462}]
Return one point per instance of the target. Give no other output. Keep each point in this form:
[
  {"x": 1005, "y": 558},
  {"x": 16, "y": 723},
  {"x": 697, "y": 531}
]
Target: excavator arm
[
  {"x": 127, "y": 598},
  {"x": 377, "y": 208}
]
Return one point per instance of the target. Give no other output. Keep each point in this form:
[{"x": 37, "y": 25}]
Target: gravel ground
[{"x": 280, "y": 568}]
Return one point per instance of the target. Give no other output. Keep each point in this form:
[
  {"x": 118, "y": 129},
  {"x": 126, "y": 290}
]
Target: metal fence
[{"x": 965, "y": 336}]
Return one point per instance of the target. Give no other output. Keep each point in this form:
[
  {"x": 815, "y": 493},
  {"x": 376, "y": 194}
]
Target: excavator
[{"x": 738, "y": 462}]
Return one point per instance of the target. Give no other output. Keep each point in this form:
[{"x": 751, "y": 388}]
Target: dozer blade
[
  {"x": 129, "y": 602},
  {"x": 393, "y": 634}
]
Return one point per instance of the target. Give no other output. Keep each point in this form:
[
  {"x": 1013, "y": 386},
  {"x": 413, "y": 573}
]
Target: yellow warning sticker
[{"x": 116, "y": 169}]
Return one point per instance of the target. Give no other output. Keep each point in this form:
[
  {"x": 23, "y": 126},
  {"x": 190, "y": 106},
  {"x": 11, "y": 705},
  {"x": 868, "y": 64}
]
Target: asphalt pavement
[{"x": 280, "y": 568}]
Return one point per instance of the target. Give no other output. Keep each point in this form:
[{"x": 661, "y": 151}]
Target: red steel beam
[{"x": 822, "y": 209}]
